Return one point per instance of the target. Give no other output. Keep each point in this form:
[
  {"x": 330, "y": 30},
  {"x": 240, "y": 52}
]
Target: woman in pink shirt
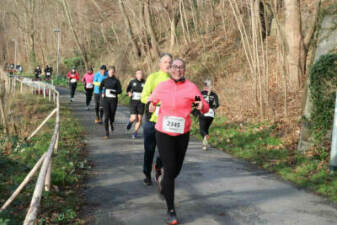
[
  {"x": 87, "y": 81},
  {"x": 176, "y": 97}
]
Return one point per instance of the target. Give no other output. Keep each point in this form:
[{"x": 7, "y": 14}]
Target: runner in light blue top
[{"x": 98, "y": 78}]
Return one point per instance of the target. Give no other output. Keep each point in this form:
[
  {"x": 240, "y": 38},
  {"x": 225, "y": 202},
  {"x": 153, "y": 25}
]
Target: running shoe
[
  {"x": 100, "y": 122},
  {"x": 88, "y": 108},
  {"x": 172, "y": 218},
  {"x": 128, "y": 127},
  {"x": 148, "y": 181},
  {"x": 96, "y": 120},
  {"x": 106, "y": 137},
  {"x": 134, "y": 135}
]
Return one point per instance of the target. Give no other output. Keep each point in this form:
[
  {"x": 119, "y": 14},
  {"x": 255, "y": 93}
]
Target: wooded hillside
[{"x": 257, "y": 52}]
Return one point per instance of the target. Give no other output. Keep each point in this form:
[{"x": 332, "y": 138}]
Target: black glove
[{"x": 147, "y": 113}]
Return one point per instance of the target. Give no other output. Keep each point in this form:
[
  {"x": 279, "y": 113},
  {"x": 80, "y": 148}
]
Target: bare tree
[
  {"x": 150, "y": 29},
  {"x": 77, "y": 41},
  {"x": 297, "y": 45},
  {"x": 131, "y": 36},
  {"x": 172, "y": 9}
]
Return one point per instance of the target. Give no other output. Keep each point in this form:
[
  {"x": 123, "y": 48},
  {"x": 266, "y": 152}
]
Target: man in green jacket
[{"x": 151, "y": 118}]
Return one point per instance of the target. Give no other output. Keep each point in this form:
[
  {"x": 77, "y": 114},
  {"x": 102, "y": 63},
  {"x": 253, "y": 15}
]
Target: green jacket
[{"x": 151, "y": 83}]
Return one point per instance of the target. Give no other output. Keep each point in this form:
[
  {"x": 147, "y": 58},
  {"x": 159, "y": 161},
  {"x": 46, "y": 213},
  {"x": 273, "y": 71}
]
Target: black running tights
[{"x": 172, "y": 151}]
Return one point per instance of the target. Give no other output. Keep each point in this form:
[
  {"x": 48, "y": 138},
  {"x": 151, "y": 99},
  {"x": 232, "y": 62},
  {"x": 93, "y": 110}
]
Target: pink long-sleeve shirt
[
  {"x": 176, "y": 99},
  {"x": 88, "y": 78}
]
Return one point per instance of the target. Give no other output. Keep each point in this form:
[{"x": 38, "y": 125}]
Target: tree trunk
[
  {"x": 309, "y": 35},
  {"x": 150, "y": 29},
  {"x": 174, "y": 22},
  {"x": 2, "y": 106},
  {"x": 134, "y": 44},
  {"x": 307, "y": 106},
  {"x": 80, "y": 47},
  {"x": 295, "y": 43},
  {"x": 32, "y": 32},
  {"x": 102, "y": 25}
]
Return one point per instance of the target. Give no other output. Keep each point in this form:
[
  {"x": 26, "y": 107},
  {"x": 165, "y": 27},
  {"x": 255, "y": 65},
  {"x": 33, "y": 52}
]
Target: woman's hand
[
  {"x": 102, "y": 95},
  {"x": 130, "y": 94},
  {"x": 200, "y": 105},
  {"x": 152, "y": 108}
]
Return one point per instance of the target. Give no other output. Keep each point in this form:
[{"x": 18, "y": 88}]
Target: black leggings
[
  {"x": 72, "y": 87},
  {"x": 172, "y": 151},
  {"x": 110, "y": 106},
  {"x": 204, "y": 124},
  {"x": 98, "y": 107},
  {"x": 88, "y": 94}
]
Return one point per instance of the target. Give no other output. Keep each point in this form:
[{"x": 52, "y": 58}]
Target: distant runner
[
  {"x": 12, "y": 69},
  {"x": 48, "y": 70},
  {"x": 176, "y": 97},
  {"x": 88, "y": 84},
  {"x": 37, "y": 73},
  {"x": 205, "y": 120},
  {"x": 134, "y": 91},
  {"x": 151, "y": 118},
  {"x": 112, "y": 88},
  {"x": 73, "y": 77},
  {"x": 98, "y": 78}
]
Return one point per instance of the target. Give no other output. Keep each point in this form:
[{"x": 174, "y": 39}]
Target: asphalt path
[{"x": 213, "y": 187}]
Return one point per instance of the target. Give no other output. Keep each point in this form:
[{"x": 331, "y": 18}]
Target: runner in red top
[
  {"x": 73, "y": 77},
  {"x": 176, "y": 97}
]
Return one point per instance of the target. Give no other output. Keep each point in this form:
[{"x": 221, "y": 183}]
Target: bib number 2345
[{"x": 174, "y": 124}]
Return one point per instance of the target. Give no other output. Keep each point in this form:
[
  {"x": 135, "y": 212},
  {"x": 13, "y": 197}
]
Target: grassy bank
[
  {"x": 264, "y": 144},
  {"x": 61, "y": 205}
]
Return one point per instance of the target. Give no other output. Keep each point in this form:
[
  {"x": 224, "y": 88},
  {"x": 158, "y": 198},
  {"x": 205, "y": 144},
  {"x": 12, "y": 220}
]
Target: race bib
[
  {"x": 89, "y": 85},
  {"x": 109, "y": 93},
  {"x": 174, "y": 124},
  {"x": 210, "y": 113},
  {"x": 48, "y": 73},
  {"x": 73, "y": 80},
  {"x": 136, "y": 95}
]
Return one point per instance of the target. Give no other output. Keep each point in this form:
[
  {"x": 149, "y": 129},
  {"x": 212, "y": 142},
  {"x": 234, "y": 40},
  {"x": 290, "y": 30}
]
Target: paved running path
[{"x": 213, "y": 188}]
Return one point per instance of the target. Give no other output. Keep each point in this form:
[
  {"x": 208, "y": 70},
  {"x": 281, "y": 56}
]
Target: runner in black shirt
[
  {"x": 48, "y": 72},
  {"x": 134, "y": 91},
  {"x": 112, "y": 87},
  {"x": 37, "y": 73},
  {"x": 205, "y": 120}
]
